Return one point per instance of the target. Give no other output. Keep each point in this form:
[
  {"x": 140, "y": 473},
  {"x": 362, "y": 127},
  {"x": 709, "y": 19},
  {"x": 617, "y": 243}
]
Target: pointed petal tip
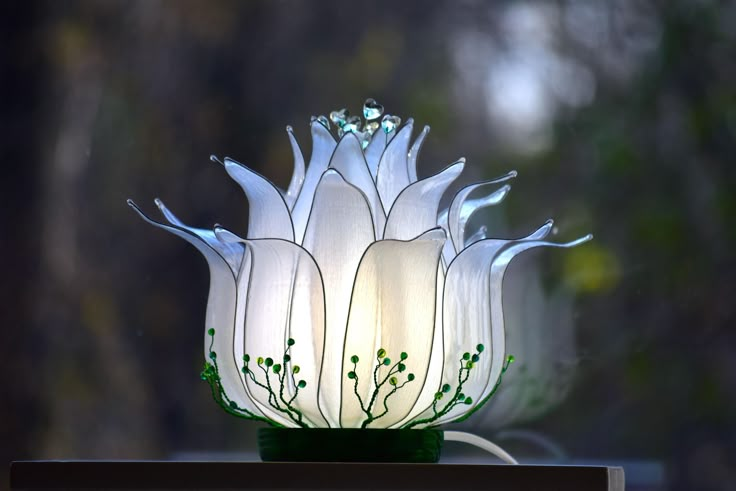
[
  {"x": 289, "y": 129},
  {"x": 159, "y": 203},
  {"x": 577, "y": 242},
  {"x": 216, "y": 160},
  {"x": 224, "y": 235},
  {"x": 131, "y": 203}
]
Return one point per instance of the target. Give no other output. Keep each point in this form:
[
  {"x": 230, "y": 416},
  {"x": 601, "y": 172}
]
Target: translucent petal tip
[
  {"x": 214, "y": 158},
  {"x": 581, "y": 240}
]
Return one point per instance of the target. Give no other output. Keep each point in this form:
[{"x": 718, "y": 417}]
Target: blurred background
[{"x": 619, "y": 116}]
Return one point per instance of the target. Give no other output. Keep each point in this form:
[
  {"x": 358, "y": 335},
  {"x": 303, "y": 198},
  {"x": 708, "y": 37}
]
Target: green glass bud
[
  {"x": 404, "y": 356},
  {"x": 469, "y": 365},
  {"x": 302, "y": 384},
  {"x": 295, "y": 369},
  {"x": 410, "y": 377},
  {"x": 213, "y": 355},
  {"x": 387, "y": 361},
  {"x": 480, "y": 348},
  {"x": 446, "y": 388},
  {"x": 244, "y": 369},
  {"x": 246, "y": 358},
  {"x": 474, "y": 358},
  {"x": 211, "y": 331},
  {"x": 269, "y": 362},
  {"x": 276, "y": 368},
  {"x": 381, "y": 353},
  {"x": 461, "y": 396},
  {"x": 291, "y": 342},
  {"x": 260, "y": 360},
  {"x": 401, "y": 367},
  {"x": 466, "y": 356},
  {"x": 354, "y": 359},
  {"x": 438, "y": 396},
  {"x": 393, "y": 381},
  {"x": 287, "y": 358},
  {"x": 468, "y": 401},
  {"x": 510, "y": 359},
  {"x": 351, "y": 374}
]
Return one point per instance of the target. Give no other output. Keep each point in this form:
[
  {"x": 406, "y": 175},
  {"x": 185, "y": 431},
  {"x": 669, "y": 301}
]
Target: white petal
[
  {"x": 282, "y": 297},
  {"x": 268, "y": 215},
  {"x": 459, "y": 211},
  {"x": 436, "y": 360},
  {"x": 338, "y": 233},
  {"x": 473, "y": 310},
  {"x": 415, "y": 209},
  {"x": 221, "y": 304},
  {"x": 392, "y": 307},
  {"x": 374, "y": 150},
  {"x": 297, "y": 177},
  {"x": 392, "y": 175},
  {"x": 349, "y": 160},
  {"x": 323, "y": 145},
  {"x": 414, "y": 153},
  {"x": 231, "y": 253}
]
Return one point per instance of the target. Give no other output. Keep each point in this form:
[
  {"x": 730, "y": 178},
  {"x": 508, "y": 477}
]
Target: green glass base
[{"x": 349, "y": 445}]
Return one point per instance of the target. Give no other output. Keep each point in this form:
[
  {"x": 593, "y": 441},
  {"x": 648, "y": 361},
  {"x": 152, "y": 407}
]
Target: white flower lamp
[{"x": 354, "y": 302}]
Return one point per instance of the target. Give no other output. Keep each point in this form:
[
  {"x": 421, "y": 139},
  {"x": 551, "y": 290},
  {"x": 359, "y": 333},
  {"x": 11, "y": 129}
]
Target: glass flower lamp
[{"x": 356, "y": 312}]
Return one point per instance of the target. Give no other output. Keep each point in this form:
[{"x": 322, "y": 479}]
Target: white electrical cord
[{"x": 488, "y": 446}]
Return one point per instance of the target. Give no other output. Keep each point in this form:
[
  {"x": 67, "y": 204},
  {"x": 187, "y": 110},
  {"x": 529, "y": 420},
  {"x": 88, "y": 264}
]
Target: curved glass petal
[
  {"x": 392, "y": 175},
  {"x": 392, "y": 308},
  {"x": 221, "y": 306},
  {"x": 323, "y": 145},
  {"x": 415, "y": 209},
  {"x": 473, "y": 304},
  {"x": 339, "y": 231},
  {"x": 458, "y": 209},
  {"x": 411, "y": 163},
  {"x": 472, "y": 205},
  {"x": 297, "y": 177},
  {"x": 374, "y": 150},
  {"x": 281, "y": 297},
  {"x": 268, "y": 215},
  {"x": 349, "y": 160},
  {"x": 231, "y": 253}
]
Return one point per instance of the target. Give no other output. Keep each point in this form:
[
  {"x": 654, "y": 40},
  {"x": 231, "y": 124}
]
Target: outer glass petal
[
  {"x": 392, "y": 307},
  {"x": 474, "y": 305},
  {"x": 221, "y": 304},
  {"x": 231, "y": 253},
  {"x": 374, "y": 150},
  {"x": 415, "y": 209},
  {"x": 297, "y": 177},
  {"x": 281, "y": 297},
  {"x": 349, "y": 160},
  {"x": 268, "y": 215},
  {"x": 392, "y": 175},
  {"x": 411, "y": 164},
  {"x": 458, "y": 208},
  {"x": 339, "y": 231},
  {"x": 323, "y": 145}
]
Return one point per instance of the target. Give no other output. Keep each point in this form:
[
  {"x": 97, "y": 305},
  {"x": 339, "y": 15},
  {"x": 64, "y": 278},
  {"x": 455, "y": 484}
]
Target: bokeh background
[{"x": 620, "y": 117}]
